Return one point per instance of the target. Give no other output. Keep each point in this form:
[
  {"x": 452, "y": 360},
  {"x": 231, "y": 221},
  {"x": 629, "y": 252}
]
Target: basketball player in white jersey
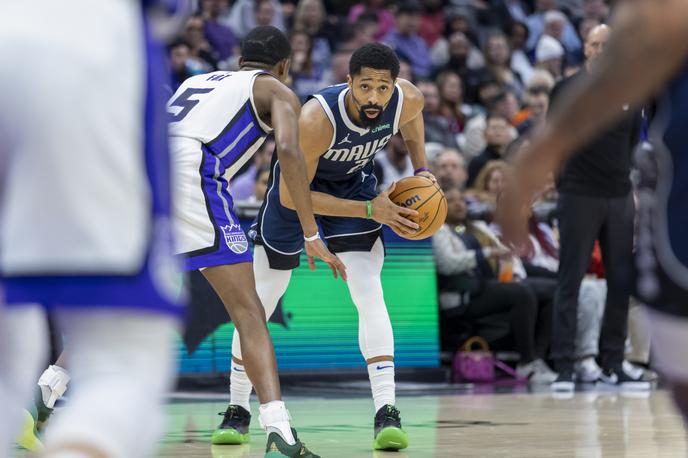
[
  {"x": 647, "y": 56},
  {"x": 341, "y": 128},
  {"x": 218, "y": 121},
  {"x": 84, "y": 221}
]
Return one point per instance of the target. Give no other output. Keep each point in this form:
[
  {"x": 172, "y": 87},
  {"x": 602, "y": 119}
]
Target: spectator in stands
[
  {"x": 393, "y": 163},
  {"x": 549, "y": 55},
  {"x": 536, "y": 25},
  {"x": 498, "y": 63},
  {"x": 585, "y": 26},
  {"x": 339, "y": 68},
  {"x": 179, "y": 54},
  {"x": 406, "y": 70},
  {"x": 361, "y": 32},
  {"x": 455, "y": 54},
  {"x": 264, "y": 12},
  {"x": 449, "y": 168},
  {"x": 242, "y": 17},
  {"x": 452, "y": 107},
  {"x": 404, "y": 38},
  {"x": 306, "y": 73},
  {"x": 219, "y": 36},
  {"x": 596, "y": 10},
  {"x": 310, "y": 17},
  {"x": 473, "y": 142},
  {"x": 204, "y": 57},
  {"x": 468, "y": 258},
  {"x": 537, "y": 104},
  {"x": 501, "y": 14},
  {"x": 497, "y": 137},
  {"x": 488, "y": 184},
  {"x": 436, "y": 125},
  {"x": 243, "y": 185},
  {"x": 596, "y": 202},
  {"x": 520, "y": 62},
  {"x": 432, "y": 21},
  {"x": 261, "y": 184},
  {"x": 385, "y": 19}
]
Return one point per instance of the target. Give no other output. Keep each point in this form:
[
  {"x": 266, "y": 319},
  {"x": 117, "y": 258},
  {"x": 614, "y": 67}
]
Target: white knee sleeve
[
  {"x": 375, "y": 336},
  {"x": 271, "y": 285},
  {"x": 23, "y": 343},
  {"x": 121, "y": 363}
]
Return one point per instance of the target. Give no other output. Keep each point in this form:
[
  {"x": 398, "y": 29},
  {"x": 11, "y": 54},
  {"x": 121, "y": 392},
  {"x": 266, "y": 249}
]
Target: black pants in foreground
[
  {"x": 582, "y": 220},
  {"x": 530, "y": 315}
]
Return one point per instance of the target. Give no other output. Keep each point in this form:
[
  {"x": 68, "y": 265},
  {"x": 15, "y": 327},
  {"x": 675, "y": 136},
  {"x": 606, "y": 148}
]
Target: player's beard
[{"x": 366, "y": 122}]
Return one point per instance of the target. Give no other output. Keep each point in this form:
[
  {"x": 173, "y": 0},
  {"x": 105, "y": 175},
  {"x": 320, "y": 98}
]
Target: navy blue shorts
[{"x": 278, "y": 229}]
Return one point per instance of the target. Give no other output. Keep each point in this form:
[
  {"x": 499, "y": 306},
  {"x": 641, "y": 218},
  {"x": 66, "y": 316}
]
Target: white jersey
[
  {"x": 77, "y": 198},
  {"x": 216, "y": 111},
  {"x": 214, "y": 131}
]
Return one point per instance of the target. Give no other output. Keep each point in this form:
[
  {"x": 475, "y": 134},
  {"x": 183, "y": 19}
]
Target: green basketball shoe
[
  {"x": 278, "y": 448},
  {"x": 234, "y": 427},
  {"x": 388, "y": 432}
]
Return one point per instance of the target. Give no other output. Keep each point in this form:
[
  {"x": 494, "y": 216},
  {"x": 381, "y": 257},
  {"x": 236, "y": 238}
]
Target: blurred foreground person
[
  {"x": 647, "y": 55},
  {"x": 84, "y": 222}
]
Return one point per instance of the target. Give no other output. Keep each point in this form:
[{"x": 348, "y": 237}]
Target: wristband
[
  {"x": 421, "y": 169},
  {"x": 369, "y": 209},
  {"x": 312, "y": 238}
]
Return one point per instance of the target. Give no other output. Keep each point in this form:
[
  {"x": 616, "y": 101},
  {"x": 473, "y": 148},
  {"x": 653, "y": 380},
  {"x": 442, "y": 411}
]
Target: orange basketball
[{"x": 424, "y": 196}]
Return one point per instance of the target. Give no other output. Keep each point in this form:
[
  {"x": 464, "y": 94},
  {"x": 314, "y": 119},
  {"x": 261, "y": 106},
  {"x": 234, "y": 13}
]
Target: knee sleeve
[
  {"x": 375, "y": 336},
  {"x": 271, "y": 285},
  {"x": 23, "y": 348},
  {"x": 121, "y": 365}
]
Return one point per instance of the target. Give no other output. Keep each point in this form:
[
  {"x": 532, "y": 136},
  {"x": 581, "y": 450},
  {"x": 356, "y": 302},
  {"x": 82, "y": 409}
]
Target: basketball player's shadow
[{"x": 207, "y": 312}]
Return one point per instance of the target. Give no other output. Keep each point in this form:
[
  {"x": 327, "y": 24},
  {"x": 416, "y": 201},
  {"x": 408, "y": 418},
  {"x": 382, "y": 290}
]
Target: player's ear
[
  {"x": 350, "y": 81},
  {"x": 283, "y": 69},
  {"x": 241, "y": 61}
]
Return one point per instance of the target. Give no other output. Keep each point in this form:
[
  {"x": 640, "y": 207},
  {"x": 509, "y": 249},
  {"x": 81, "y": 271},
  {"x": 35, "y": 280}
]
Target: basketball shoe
[
  {"x": 234, "y": 427},
  {"x": 278, "y": 448},
  {"x": 388, "y": 432},
  {"x": 28, "y": 438}
]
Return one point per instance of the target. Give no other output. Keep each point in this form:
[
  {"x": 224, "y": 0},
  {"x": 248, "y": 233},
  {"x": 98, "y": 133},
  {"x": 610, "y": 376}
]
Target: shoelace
[
  {"x": 230, "y": 413},
  {"x": 392, "y": 413}
]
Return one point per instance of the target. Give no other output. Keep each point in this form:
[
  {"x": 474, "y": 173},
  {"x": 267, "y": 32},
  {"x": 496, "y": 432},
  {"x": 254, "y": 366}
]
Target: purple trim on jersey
[
  {"x": 229, "y": 247},
  {"x": 239, "y": 135}
]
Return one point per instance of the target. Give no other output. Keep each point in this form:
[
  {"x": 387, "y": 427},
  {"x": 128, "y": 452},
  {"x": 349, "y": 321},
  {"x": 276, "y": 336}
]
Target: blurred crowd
[{"x": 487, "y": 69}]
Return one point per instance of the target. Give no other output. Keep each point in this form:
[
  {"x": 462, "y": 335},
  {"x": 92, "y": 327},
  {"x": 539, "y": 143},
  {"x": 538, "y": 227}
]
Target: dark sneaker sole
[
  {"x": 229, "y": 437},
  {"x": 390, "y": 438}
]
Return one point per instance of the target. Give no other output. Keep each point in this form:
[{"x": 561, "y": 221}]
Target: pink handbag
[{"x": 478, "y": 366}]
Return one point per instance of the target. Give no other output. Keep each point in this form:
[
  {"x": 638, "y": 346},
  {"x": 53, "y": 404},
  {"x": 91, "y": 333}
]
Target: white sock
[
  {"x": 274, "y": 417},
  {"x": 53, "y": 383},
  {"x": 381, "y": 376},
  {"x": 239, "y": 387}
]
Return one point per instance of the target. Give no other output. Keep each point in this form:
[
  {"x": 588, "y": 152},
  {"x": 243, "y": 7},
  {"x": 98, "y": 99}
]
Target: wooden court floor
[
  {"x": 591, "y": 424},
  {"x": 507, "y": 425}
]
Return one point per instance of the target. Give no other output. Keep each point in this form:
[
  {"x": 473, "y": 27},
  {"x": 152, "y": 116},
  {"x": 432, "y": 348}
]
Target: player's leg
[
  {"x": 376, "y": 340},
  {"x": 669, "y": 342},
  {"x": 23, "y": 343},
  {"x": 271, "y": 285},
  {"x": 235, "y": 284},
  {"x": 121, "y": 363}
]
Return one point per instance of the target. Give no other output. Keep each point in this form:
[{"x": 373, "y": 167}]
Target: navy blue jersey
[
  {"x": 345, "y": 170},
  {"x": 353, "y": 148},
  {"x": 662, "y": 245}
]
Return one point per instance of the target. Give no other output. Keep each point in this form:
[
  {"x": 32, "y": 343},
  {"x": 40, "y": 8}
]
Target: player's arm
[
  {"x": 283, "y": 107},
  {"x": 315, "y": 133},
  {"x": 648, "y": 44},
  {"x": 412, "y": 128}
]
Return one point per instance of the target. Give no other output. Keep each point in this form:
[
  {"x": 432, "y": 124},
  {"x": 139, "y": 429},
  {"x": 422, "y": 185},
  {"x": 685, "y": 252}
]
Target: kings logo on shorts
[{"x": 235, "y": 238}]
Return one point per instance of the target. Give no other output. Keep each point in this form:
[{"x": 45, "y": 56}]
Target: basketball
[{"x": 421, "y": 194}]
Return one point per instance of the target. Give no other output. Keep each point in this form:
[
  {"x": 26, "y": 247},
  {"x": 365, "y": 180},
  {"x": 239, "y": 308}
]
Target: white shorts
[{"x": 669, "y": 337}]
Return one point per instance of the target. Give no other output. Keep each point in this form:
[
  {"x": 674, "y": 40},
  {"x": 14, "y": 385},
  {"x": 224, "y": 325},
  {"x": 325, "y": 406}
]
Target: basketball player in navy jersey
[
  {"x": 647, "y": 56},
  {"x": 341, "y": 129},
  {"x": 218, "y": 121}
]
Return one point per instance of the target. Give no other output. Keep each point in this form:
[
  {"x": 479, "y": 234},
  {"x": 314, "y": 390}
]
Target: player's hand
[
  {"x": 427, "y": 175},
  {"x": 512, "y": 212},
  {"x": 387, "y": 212},
  {"x": 317, "y": 248}
]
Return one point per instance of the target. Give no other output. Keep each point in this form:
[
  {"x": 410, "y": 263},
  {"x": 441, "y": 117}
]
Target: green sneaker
[
  {"x": 234, "y": 427},
  {"x": 278, "y": 448},
  {"x": 388, "y": 432},
  {"x": 28, "y": 439}
]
